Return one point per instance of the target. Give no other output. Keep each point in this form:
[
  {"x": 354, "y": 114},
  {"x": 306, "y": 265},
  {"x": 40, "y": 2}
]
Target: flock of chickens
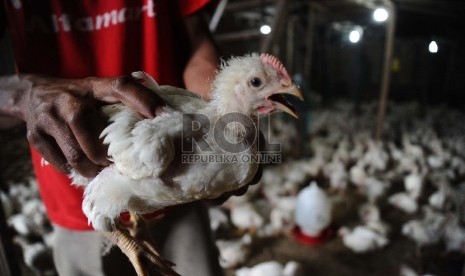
[{"x": 419, "y": 169}]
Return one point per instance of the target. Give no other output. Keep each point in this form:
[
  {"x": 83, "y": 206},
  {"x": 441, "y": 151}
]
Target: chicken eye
[{"x": 256, "y": 82}]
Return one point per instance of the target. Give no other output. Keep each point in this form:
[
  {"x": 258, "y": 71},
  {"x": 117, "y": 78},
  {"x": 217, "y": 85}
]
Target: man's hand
[{"x": 63, "y": 117}]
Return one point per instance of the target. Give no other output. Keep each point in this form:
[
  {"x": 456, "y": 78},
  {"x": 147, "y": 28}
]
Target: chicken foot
[{"x": 140, "y": 252}]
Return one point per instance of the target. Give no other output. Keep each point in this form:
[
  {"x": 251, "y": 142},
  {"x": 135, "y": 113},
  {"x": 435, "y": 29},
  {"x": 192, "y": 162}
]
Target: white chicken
[
  {"x": 405, "y": 270},
  {"x": 404, "y": 202},
  {"x": 7, "y": 204},
  {"x": 36, "y": 255},
  {"x": 428, "y": 230},
  {"x": 362, "y": 239},
  {"x": 246, "y": 217},
  {"x": 371, "y": 216},
  {"x": 282, "y": 214},
  {"x": 438, "y": 199},
  {"x": 271, "y": 268},
  {"x": 458, "y": 163},
  {"x": 358, "y": 174},
  {"x": 218, "y": 218},
  {"x": 375, "y": 157},
  {"x": 155, "y": 162},
  {"x": 234, "y": 252},
  {"x": 411, "y": 149},
  {"x": 337, "y": 174},
  {"x": 21, "y": 223},
  {"x": 454, "y": 235},
  {"x": 413, "y": 184},
  {"x": 374, "y": 188},
  {"x": 295, "y": 174}
]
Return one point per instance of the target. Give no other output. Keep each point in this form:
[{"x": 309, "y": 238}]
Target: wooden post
[{"x": 389, "y": 46}]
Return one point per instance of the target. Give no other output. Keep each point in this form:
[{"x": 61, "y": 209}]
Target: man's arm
[
  {"x": 202, "y": 64},
  {"x": 63, "y": 117},
  {"x": 10, "y": 113}
]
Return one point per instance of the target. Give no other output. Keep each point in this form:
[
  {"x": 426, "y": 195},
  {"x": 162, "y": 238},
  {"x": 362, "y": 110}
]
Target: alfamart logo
[{"x": 233, "y": 138}]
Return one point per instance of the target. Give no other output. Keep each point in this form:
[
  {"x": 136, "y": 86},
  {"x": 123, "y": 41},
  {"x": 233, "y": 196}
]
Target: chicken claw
[{"x": 141, "y": 253}]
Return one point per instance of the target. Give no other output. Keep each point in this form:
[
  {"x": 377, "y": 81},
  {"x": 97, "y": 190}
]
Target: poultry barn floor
[{"x": 331, "y": 258}]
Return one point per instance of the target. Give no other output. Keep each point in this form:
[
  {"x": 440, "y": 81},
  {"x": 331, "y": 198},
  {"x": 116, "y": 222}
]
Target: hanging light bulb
[
  {"x": 355, "y": 35},
  {"x": 265, "y": 29},
  {"x": 433, "y": 47},
  {"x": 380, "y": 15}
]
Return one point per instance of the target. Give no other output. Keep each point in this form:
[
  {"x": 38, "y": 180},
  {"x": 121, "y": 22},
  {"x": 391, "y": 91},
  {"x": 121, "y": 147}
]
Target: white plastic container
[{"x": 313, "y": 210}]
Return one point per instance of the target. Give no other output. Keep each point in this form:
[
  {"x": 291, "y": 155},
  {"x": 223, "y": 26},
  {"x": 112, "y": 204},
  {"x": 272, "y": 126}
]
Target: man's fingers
[
  {"x": 127, "y": 91},
  {"x": 87, "y": 123},
  {"x": 70, "y": 148},
  {"x": 137, "y": 97},
  {"x": 49, "y": 149}
]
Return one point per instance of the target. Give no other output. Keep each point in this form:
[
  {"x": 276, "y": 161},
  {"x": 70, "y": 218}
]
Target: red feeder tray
[{"x": 302, "y": 238}]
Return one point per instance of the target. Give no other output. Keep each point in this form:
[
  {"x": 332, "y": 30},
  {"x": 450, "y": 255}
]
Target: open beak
[{"x": 280, "y": 102}]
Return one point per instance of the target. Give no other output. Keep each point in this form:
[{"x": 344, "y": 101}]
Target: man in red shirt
[{"x": 70, "y": 41}]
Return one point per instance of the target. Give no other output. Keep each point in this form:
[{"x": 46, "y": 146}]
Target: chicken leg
[{"x": 140, "y": 251}]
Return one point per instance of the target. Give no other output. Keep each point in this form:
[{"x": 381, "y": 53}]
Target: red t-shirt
[{"x": 75, "y": 39}]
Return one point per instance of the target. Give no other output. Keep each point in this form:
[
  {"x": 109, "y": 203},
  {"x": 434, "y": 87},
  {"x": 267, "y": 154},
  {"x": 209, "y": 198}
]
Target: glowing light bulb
[
  {"x": 265, "y": 29},
  {"x": 433, "y": 47},
  {"x": 380, "y": 15},
  {"x": 355, "y": 36}
]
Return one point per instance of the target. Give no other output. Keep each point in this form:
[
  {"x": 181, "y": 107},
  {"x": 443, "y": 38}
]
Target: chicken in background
[
  {"x": 362, "y": 239},
  {"x": 405, "y": 270},
  {"x": 246, "y": 217},
  {"x": 234, "y": 252},
  {"x": 428, "y": 230},
  {"x": 26, "y": 215},
  {"x": 218, "y": 218},
  {"x": 370, "y": 215},
  {"x": 404, "y": 202},
  {"x": 36, "y": 255},
  {"x": 271, "y": 268}
]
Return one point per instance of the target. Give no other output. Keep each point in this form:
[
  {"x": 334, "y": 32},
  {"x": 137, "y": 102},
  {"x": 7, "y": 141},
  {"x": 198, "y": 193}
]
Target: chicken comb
[{"x": 274, "y": 63}]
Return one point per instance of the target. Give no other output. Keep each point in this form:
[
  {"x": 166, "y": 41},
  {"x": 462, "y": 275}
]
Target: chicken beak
[
  {"x": 286, "y": 107},
  {"x": 283, "y": 105},
  {"x": 294, "y": 91}
]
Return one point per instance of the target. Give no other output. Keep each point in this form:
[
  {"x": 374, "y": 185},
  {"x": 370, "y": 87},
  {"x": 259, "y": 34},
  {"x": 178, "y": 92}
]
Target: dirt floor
[{"x": 331, "y": 258}]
